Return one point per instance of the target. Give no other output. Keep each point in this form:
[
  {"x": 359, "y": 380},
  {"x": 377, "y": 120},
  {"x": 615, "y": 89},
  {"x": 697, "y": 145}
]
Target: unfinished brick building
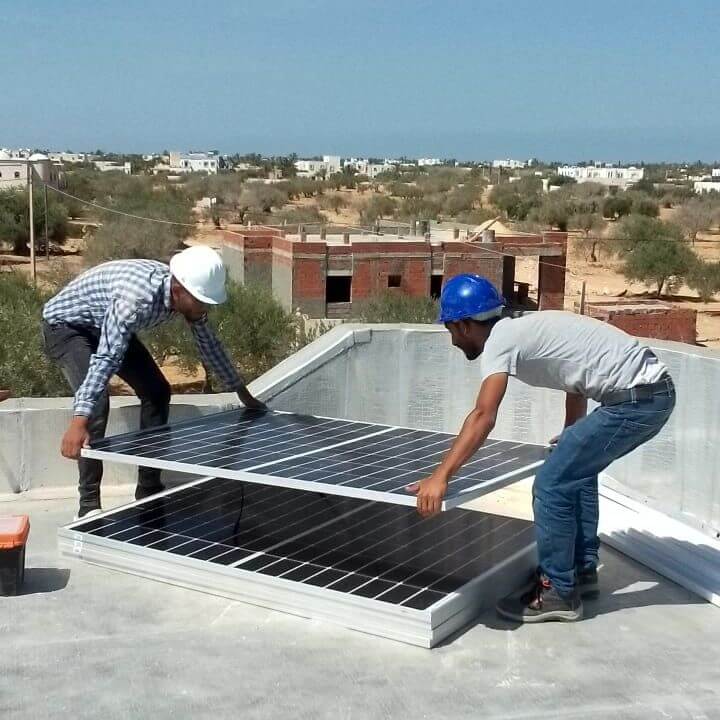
[{"x": 330, "y": 275}]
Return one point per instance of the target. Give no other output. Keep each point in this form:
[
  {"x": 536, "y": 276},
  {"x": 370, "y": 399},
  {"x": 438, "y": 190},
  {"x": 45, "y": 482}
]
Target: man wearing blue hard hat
[{"x": 585, "y": 358}]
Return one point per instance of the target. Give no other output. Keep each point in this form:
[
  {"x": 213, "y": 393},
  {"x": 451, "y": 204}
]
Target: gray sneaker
[{"x": 541, "y": 604}]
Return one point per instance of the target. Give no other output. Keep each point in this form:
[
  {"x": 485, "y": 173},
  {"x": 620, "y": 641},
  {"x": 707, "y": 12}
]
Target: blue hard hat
[{"x": 469, "y": 297}]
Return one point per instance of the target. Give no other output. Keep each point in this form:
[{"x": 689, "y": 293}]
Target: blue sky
[{"x": 631, "y": 80}]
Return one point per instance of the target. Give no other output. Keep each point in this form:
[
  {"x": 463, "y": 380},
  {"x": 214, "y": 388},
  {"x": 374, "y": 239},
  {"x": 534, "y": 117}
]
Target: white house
[
  {"x": 329, "y": 165},
  {"x": 14, "y": 171},
  {"x": 182, "y": 163},
  {"x": 707, "y": 186},
  {"x": 604, "y": 175},
  {"x": 67, "y": 157},
  {"x": 509, "y": 164},
  {"x": 365, "y": 167},
  {"x": 716, "y": 173},
  {"x": 111, "y": 165},
  {"x": 429, "y": 162}
]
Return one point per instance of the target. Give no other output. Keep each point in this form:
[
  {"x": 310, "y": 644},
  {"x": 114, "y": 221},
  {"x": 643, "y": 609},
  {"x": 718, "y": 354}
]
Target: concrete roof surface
[{"x": 87, "y": 642}]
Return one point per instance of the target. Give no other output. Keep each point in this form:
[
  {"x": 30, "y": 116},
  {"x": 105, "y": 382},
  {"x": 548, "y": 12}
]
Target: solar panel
[
  {"x": 343, "y": 559},
  {"x": 339, "y": 457}
]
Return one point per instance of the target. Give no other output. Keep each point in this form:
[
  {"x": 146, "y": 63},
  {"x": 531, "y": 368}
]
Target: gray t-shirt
[{"x": 573, "y": 353}]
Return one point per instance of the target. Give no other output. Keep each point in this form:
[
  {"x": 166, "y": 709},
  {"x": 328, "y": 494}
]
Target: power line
[{"x": 119, "y": 212}]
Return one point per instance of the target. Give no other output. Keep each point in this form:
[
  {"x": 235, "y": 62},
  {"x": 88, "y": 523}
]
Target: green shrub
[
  {"x": 125, "y": 238},
  {"x": 704, "y": 278},
  {"x": 24, "y": 367},
  {"x": 393, "y": 307},
  {"x": 254, "y": 328},
  {"x": 15, "y": 219}
]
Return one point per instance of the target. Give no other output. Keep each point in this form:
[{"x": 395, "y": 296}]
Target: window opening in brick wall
[
  {"x": 338, "y": 288},
  {"x": 436, "y": 282},
  {"x": 394, "y": 281}
]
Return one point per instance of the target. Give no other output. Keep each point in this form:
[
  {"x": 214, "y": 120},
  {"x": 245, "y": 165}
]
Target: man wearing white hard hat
[{"x": 90, "y": 330}]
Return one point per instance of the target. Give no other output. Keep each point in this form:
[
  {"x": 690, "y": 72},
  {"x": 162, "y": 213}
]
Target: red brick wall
[
  {"x": 463, "y": 258},
  {"x": 374, "y": 262},
  {"x": 370, "y": 276},
  {"x": 668, "y": 323},
  {"x": 308, "y": 277},
  {"x": 551, "y": 273}
]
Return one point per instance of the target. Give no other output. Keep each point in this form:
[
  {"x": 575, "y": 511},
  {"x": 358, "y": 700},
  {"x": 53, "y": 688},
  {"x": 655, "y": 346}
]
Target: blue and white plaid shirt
[{"x": 119, "y": 299}]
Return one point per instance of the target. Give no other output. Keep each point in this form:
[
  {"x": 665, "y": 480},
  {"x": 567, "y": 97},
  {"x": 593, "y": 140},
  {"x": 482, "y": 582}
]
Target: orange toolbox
[{"x": 14, "y": 532}]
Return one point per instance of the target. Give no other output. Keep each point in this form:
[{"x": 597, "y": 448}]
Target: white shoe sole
[
  {"x": 553, "y": 615},
  {"x": 87, "y": 515}
]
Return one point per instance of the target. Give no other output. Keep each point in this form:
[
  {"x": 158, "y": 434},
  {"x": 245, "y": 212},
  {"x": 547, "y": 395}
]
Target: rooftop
[
  {"x": 86, "y": 642},
  {"x": 129, "y": 646}
]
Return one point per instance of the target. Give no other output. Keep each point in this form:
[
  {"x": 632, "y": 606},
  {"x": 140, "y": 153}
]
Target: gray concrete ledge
[{"x": 31, "y": 430}]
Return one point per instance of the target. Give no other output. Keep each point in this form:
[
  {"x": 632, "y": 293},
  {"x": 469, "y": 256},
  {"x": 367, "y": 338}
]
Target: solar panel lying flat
[
  {"x": 340, "y": 457},
  {"x": 373, "y": 566}
]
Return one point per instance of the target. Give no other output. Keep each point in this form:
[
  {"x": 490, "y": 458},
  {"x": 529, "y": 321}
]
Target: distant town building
[
  {"x": 429, "y": 162},
  {"x": 509, "y": 164},
  {"x": 716, "y": 173},
  {"x": 244, "y": 166},
  {"x": 15, "y": 170},
  {"x": 372, "y": 170},
  {"x": 68, "y": 157},
  {"x": 183, "y": 163},
  {"x": 112, "y": 166},
  {"x": 604, "y": 175},
  {"x": 707, "y": 186},
  {"x": 329, "y": 165}
]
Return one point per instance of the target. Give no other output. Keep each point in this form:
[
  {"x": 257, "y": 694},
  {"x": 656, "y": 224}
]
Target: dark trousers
[{"x": 71, "y": 348}]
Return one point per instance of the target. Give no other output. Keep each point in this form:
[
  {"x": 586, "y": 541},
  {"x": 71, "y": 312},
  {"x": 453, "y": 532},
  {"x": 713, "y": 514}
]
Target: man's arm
[
  {"x": 575, "y": 408},
  {"x": 216, "y": 358},
  {"x": 477, "y": 426},
  {"x": 115, "y": 335}
]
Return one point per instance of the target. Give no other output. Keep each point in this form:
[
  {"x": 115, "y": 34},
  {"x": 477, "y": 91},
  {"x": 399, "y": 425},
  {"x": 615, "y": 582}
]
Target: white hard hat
[{"x": 200, "y": 270}]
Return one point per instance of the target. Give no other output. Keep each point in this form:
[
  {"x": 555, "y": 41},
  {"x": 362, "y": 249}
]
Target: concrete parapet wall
[{"x": 31, "y": 430}]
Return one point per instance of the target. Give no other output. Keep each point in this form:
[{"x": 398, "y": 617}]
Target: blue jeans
[{"x": 565, "y": 492}]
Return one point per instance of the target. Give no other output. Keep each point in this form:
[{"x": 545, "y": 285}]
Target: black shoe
[
  {"x": 143, "y": 492},
  {"x": 540, "y": 604},
  {"x": 587, "y": 581}
]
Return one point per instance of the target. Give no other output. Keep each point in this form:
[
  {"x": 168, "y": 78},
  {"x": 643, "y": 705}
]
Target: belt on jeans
[{"x": 640, "y": 392}]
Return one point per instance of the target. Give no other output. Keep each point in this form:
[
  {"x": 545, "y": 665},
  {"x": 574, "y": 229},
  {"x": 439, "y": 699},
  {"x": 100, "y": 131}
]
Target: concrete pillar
[
  {"x": 323, "y": 233},
  {"x": 456, "y": 233},
  {"x": 346, "y": 238},
  {"x": 303, "y": 236}
]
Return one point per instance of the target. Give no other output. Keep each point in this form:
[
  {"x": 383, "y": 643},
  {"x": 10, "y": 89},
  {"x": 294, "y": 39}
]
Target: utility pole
[
  {"x": 33, "y": 267},
  {"x": 47, "y": 241},
  {"x": 582, "y": 298}
]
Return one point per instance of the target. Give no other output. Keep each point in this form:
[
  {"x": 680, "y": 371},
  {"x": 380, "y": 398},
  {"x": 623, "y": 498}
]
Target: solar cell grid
[
  {"x": 341, "y": 457},
  {"x": 378, "y": 551}
]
